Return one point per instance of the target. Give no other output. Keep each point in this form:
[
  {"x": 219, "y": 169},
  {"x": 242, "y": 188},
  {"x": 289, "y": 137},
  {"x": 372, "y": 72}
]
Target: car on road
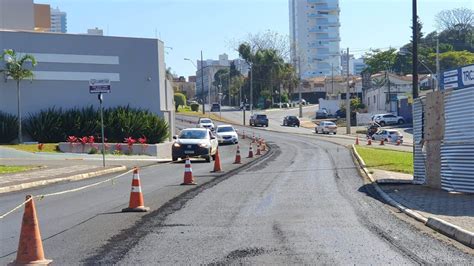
[
  {"x": 226, "y": 134},
  {"x": 388, "y": 135},
  {"x": 196, "y": 143},
  {"x": 258, "y": 120},
  {"x": 215, "y": 107},
  {"x": 206, "y": 123},
  {"x": 322, "y": 113},
  {"x": 291, "y": 121},
  {"x": 388, "y": 119},
  {"x": 326, "y": 127},
  {"x": 340, "y": 114}
]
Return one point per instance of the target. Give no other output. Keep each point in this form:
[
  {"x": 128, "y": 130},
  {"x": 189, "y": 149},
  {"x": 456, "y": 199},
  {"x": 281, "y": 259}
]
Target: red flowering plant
[
  {"x": 84, "y": 141},
  {"x": 40, "y": 146},
  {"x": 91, "y": 141},
  {"x": 71, "y": 140},
  {"x": 143, "y": 141},
  {"x": 130, "y": 141},
  {"x": 118, "y": 147}
]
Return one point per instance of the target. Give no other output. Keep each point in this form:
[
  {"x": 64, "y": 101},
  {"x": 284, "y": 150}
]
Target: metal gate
[
  {"x": 457, "y": 150},
  {"x": 419, "y": 176}
]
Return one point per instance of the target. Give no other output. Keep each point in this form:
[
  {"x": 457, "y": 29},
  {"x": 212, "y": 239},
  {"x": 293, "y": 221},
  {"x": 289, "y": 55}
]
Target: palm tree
[{"x": 15, "y": 69}]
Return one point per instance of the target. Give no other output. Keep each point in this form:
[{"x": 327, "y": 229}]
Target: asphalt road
[
  {"x": 75, "y": 225},
  {"x": 303, "y": 204}
]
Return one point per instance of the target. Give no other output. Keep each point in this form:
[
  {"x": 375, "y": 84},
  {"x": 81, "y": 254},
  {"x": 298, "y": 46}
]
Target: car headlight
[
  {"x": 203, "y": 145},
  {"x": 177, "y": 145}
]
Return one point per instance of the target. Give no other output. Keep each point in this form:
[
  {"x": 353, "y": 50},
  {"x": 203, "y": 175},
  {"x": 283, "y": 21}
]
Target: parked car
[
  {"x": 340, "y": 114},
  {"x": 322, "y": 113},
  {"x": 326, "y": 127},
  {"x": 388, "y": 119},
  {"x": 291, "y": 121},
  {"x": 206, "y": 123},
  {"x": 389, "y": 135},
  {"x": 227, "y": 134},
  {"x": 194, "y": 142},
  {"x": 215, "y": 107},
  {"x": 258, "y": 120}
]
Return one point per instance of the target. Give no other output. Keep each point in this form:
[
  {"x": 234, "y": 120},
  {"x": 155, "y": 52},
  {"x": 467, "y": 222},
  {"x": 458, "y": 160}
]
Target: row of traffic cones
[
  {"x": 30, "y": 247},
  {"x": 382, "y": 141}
]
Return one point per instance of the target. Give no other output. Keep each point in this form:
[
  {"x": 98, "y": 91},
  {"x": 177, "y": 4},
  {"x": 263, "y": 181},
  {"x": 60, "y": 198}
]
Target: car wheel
[
  {"x": 174, "y": 159},
  {"x": 382, "y": 123},
  {"x": 400, "y": 122},
  {"x": 208, "y": 158}
]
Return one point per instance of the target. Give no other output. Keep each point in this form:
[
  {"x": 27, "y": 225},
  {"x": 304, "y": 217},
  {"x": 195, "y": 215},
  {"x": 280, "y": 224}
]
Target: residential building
[
  {"x": 96, "y": 31},
  {"x": 344, "y": 65},
  {"x": 58, "y": 20},
  {"x": 188, "y": 88},
  {"x": 24, "y": 15},
  {"x": 62, "y": 75},
  {"x": 357, "y": 66},
  {"x": 314, "y": 36},
  {"x": 208, "y": 68}
]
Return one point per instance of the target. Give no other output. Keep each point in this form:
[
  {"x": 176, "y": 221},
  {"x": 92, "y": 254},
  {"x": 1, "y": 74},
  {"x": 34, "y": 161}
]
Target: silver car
[
  {"x": 388, "y": 135},
  {"x": 326, "y": 127},
  {"x": 226, "y": 134}
]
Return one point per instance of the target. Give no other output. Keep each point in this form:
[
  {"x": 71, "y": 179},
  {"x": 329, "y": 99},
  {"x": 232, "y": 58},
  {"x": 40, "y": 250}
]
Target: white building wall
[{"x": 314, "y": 34}]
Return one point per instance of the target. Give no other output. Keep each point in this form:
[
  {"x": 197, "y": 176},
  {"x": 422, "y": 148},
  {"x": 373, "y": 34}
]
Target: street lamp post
[
  {"x": 436, "y": 86},
  {"x": 251, "y": 88}
]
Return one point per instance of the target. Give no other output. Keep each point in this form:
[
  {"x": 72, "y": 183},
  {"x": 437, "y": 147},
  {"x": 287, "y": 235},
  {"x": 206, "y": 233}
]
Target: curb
[
  {"x": 61, "y": 179},
  {"x": 455, "y": 232}
]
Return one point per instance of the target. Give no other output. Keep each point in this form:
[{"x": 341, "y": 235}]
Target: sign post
[{"x": 100, "y": 87}]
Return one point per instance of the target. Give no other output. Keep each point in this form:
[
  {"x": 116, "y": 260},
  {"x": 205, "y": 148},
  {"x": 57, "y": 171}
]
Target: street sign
[
  {"x": 459, "y": 78},
  {"x": 99, "y": 86}
]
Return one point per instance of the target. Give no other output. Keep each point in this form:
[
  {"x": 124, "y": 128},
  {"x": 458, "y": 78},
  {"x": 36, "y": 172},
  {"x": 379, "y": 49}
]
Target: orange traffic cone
[
  {"x": 250, "y": 151},
  {"x": 217, "y": 162},
  {"x": 136, "y": 196},
  {"x": 253, "y": 139},
  {"x": 30, "y": 249},
  {"x": 188, "y": 173},
  {"x": 264, "y": 146},
  {"x": 382, "y": 142},
  {"x": 398, "y": 142},
  {"x": 357, "y": 140},
  {"x": 258, "y": 150},
  {"x": 369, "y": 141},
  {"x": 238, "y": 160}
]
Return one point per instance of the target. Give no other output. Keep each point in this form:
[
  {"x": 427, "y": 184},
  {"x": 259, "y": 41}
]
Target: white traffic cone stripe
[
  {"x": 188, "y": 170},
  {"x": 137, "y": 189}
]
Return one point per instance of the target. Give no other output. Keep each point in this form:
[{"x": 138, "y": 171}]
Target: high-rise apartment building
[
  {"x": 58, "y": 20},
  {"x": 314, "y": 35}
]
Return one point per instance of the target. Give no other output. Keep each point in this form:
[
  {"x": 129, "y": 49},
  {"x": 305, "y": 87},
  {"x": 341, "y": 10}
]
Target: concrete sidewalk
[
  {"x": 50, "y": 175},
  {"x": 449, "y": 213}
]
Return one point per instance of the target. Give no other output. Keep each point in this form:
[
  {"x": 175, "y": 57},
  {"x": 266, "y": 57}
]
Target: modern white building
[
  {"x": 314, "y": 36},
  {"x": 209, "y": 68},
  {"x": 58, "y": 20}
]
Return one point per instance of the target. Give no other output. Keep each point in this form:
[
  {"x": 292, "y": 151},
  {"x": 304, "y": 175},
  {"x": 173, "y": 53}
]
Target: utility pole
[
  {"x": 299, "y": 87},
  {"x": 202, "y": 89},
  {"x": 332, "y": 78},
  {"x": 348, "y": 100},
  {"x": 415, "y": 50},
  {"x": 251, "y": 89},
  {"x": 437, "y": 64}
]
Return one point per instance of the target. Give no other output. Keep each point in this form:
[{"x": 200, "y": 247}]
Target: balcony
[{"x": 319, "y": 29}]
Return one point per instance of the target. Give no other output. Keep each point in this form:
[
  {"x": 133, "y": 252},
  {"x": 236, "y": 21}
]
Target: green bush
[
  {"x": 179, "y": 99},
  {"x": 54, "y": 125},
  {"x": 194, "y": 107},
  {"x": 8, "y": 127},
  {"x": 46, "y": 126}
]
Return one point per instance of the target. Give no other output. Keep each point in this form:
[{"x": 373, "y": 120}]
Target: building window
[{"x": 374, "y": 99}]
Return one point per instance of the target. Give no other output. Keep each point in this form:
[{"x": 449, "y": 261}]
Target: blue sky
[{"x": 214, "y": 26}]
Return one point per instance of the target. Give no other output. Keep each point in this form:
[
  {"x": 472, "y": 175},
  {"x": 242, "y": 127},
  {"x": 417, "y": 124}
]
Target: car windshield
[
  {"x": 225, "y": 129},
  {"x": 193, "y": 134},
  {"x": 329, "y": 124},
  {"x": 206, "y": 121},
  {"x": 261, "y": 116}
]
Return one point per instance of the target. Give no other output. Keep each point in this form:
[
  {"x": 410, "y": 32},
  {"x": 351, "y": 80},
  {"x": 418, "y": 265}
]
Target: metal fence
[
  {"x": 457, "y": 150},
  {"x": 419, "y": 176}
]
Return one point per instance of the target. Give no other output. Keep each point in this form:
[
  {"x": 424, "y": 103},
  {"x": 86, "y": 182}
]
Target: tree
[
  {"x": 179, "y": 99},
  {"x": 267, "y": 40},
  {"x": 15, "y": 68},
  {"x": 459, "y": 18},
  {"x": 378, "y": 60},
  {"x": 451, "y": 59}
]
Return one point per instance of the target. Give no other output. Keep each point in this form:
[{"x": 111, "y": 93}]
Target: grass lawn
[
  {"x": 47, "y": 147},
  {"x": 389, "y": 160},
  {"x": 6, "y": 169}
]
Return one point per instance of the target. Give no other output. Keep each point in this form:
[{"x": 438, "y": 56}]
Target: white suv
[
  {"x": 206, "y": 123},
  {"x": 388, "y": 119}
]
